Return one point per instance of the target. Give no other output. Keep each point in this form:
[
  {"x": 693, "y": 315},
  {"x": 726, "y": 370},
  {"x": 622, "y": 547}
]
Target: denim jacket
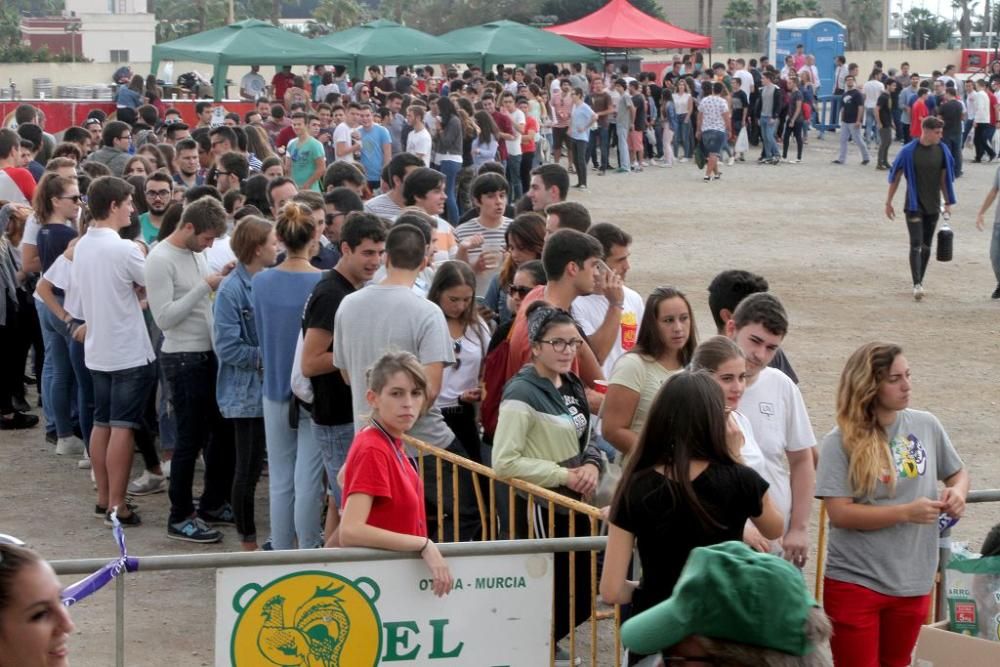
[{"x": 240, "y": 383}]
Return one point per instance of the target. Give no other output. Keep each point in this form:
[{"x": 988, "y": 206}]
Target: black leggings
[
  {"x": 462, "y": 422},
  {"x": 249, "y": 440},
  {"x": 921, "y": 228},
  {"x": 792, "y": 129}
]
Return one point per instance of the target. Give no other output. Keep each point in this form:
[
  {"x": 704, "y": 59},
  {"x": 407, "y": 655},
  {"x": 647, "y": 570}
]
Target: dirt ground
[{"x": 815, "y": 230}]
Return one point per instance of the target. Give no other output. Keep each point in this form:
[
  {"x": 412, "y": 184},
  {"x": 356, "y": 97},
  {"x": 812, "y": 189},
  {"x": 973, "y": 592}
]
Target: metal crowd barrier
[
  {"x": 304, "y": 557},
  {"x": 537, "y": 497},
  {"x": 939, "y": 602}
]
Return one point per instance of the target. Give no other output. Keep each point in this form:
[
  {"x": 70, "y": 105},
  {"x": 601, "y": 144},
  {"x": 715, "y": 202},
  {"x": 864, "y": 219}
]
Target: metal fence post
[{"x": 120, "y": 619}]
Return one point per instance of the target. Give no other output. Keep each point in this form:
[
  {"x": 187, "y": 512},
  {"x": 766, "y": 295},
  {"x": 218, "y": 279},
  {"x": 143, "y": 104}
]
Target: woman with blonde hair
[{"x": 879, "y": 473}]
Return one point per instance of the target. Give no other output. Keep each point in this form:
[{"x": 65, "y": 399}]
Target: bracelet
[
  {"x": 616, "y": 305},
  {"x": 427, "y": 541}
]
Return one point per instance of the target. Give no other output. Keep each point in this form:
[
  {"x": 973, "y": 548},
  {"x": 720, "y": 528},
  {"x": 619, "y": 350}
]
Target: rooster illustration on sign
[{"x": 316, "y": 635}]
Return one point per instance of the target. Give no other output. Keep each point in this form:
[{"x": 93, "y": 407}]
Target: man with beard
[
  {"x": 158, "y": 190},
  {"x": 189, "y": 172}
]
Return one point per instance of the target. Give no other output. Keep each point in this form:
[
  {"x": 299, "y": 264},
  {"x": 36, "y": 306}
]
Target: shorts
[
  {"x": 334, "y": 442},
  {"x": 712, "y": 141},
  {"x": 560, "y": 136},
  {"x": 635, "y": 140},
  {"x": 120, "y": 396}
]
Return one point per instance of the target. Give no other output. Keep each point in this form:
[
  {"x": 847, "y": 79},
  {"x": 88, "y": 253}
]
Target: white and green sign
[{"x": 363, "y": 614}]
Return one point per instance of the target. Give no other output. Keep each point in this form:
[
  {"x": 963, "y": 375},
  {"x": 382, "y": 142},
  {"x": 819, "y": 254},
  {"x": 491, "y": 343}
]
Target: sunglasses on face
[{"x": 518, "y": 290}]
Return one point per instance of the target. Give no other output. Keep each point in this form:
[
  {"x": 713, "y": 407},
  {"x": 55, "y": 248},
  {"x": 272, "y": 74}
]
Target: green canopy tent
[
  {"x": 507, "y": 42},
  {"x": 249, "y": 42},
  {"x": 384, "y": 42}
]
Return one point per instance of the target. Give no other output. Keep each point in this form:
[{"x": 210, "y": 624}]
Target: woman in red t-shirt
[{"x": 383, "y": 492}]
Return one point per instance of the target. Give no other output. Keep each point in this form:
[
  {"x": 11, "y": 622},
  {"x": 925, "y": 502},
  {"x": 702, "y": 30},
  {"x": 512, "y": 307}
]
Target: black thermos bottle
[{"x": 945, "y": 243}]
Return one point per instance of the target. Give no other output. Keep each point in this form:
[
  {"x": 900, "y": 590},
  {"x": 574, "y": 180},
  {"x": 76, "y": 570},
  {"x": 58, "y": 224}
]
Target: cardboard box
[{"x": 938, "y": 647}]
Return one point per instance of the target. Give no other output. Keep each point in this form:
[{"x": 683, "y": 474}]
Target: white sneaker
[
  {"x": 918, "y": 292},
  {"x": 731, "y": 161},
  {"x": 71, "y": 446},
  {"x": 165, "y": 467},
  {"x": 147, "y": 484},
  {"x": 84, "y": 463}
]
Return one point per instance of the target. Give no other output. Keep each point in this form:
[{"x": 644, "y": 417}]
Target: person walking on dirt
[{"x": 930, "y": 172}]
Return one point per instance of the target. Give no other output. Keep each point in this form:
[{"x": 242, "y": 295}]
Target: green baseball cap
[{"x": 730, "y": 592}]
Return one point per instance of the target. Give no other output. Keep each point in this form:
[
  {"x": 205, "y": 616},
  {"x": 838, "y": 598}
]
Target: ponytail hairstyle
[
  {"x": 390, "y": 363},
  {"x": 51, "y": 185},
  {"x": 13, "y": 559},
  {"x": 714, "y": 352},
  {"x": 864, "y": 440},
  {"x": 296, "y": 226}
]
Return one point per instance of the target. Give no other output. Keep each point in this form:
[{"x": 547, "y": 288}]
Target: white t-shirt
[
  {"x": 106, "y": 269},
  {"x": 777, "y": 414},
  {"x": 872, "y": 89},
  {"x": 590, "y": 310},
  {"x": 981, "y": 103},
  {"x": 746, "y": 80},
  {"x": 342, "y": 135},
  {"x": 419, "y": 143},
  {"x": 464, "y": 374},
  {"x": 752, "y": 456},
  {"x": 514, "y": 145},
  {"x": 60, "y": 275},
  {"x": 220, "y": 254}
]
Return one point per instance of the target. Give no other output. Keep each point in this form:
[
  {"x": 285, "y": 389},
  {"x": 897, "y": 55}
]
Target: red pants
[{"x": 872, "y": 629}]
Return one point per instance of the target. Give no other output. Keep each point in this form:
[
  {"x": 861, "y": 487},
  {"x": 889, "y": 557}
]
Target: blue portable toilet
[{"x": 823, "y": 38}]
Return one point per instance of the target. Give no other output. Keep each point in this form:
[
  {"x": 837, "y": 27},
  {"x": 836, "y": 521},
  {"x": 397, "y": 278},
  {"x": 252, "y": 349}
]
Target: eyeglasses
[
  {"x": 74, "y": 198},
  {"x": 219, "y": 141},
  {"x": 157, "y": 194},
  {"x": 332, "y": 217},
  {"x": 561, "y": 344},
  {"x": 125, "y": 136},
  {"x": 519, "y": 290},
  {"x": 222, "y": 173}
]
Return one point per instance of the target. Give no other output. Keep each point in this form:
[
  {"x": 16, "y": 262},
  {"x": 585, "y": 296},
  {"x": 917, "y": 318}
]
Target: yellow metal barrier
[{"x": 536, "y": 496}]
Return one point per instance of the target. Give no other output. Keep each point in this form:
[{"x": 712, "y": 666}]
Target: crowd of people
[{"x": 298, "y": 289}]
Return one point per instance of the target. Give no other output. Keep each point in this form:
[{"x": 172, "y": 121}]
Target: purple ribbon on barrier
[{"x": 98, "y": 580}]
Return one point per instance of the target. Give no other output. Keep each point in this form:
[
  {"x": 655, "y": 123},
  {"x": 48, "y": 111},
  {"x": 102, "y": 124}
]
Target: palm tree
[{"x": 339, "y": 14}]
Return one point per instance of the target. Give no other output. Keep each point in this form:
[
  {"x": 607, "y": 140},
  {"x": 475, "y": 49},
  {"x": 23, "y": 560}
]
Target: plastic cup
[{"x": 601, "y": 386}]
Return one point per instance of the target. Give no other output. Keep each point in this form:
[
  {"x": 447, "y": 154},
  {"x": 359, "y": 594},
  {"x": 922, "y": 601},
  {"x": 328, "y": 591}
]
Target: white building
[{"x": 115, "y": 31}]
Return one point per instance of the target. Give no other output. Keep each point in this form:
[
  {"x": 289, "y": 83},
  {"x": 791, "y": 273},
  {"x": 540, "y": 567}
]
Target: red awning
[{"x": 620, "y": 25}]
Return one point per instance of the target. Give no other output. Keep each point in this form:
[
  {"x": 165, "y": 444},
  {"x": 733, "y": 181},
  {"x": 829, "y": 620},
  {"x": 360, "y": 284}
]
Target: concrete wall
[
  {"x": 90, "y": 73},
  {"x": 102, "y": 33}
]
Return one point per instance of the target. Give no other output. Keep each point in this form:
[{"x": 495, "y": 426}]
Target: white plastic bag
[
  {"x": 301, "y": 385},
  {"x": 742, "y": 141}
]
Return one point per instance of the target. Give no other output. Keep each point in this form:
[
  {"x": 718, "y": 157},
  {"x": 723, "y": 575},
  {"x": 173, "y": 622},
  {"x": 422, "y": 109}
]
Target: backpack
[{"x": 494, "y": 379}]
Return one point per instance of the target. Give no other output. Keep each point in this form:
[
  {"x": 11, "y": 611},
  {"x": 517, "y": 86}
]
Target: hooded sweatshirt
[{"x": 536, "y": 438}]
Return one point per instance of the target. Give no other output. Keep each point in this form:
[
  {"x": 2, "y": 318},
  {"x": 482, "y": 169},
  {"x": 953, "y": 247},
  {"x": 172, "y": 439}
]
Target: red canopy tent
[{"x": 620, "y": 25}]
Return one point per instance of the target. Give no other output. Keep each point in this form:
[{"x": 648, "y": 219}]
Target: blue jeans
[
  {"x": 623, "y": 159},
  {"x": 682, "y": 137},
  {"x": 191, "y": 377},
  {"x": 450, "y": 170},
  {"x": 295, "y": 479},
  {"x": 334, "y": 442},
  {"x": 767, "y": 129},
  {"x": 599, "y": 139},
  {"x": 853, "y": 132},
  {"x": 514, "y": 177},
  {"x": 84, "y": 390},
  {"x": 871, "y": 126},
  {"x": 57, "y": 374}
]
